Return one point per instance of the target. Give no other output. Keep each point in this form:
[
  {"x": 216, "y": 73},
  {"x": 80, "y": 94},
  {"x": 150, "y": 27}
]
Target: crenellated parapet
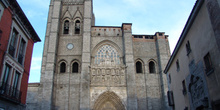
[
  {"x": 106, "y": 31},
  {"x": 149, "y": 38}
]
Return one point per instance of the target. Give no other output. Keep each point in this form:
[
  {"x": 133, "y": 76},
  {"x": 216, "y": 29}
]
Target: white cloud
[
  {"x": 35, "y": 69},
  {"x": 36, "y": 63}
]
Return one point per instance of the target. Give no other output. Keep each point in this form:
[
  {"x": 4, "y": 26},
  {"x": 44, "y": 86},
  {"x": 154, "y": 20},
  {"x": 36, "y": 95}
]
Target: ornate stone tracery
[
  {"x": 107, "y": 55},
  {"x": 107, "y": 69}
]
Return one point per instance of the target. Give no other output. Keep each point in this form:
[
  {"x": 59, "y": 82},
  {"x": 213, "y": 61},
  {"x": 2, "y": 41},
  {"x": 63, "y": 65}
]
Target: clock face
[{"x": 69, "y": 46}]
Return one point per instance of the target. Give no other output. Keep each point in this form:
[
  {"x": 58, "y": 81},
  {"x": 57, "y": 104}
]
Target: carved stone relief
[
  {"x": 197, "y": 88},
  {"x": 107, "y": 76},
  {"x": 107, "y": 69}
]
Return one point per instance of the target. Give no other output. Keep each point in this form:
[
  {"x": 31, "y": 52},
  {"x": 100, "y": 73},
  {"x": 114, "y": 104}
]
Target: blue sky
[{"x": 146, "y": 16}]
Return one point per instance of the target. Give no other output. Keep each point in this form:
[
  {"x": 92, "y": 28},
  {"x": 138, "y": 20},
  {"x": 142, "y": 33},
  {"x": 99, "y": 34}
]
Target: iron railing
[{"x": 10, "y": 93}]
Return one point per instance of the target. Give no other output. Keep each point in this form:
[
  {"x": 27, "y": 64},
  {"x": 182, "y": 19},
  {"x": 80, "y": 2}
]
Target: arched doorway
[{"x": 108, "y": 101}]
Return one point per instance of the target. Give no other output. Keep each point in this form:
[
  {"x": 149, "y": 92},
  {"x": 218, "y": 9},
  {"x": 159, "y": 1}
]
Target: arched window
[
  {"x": 62, "y": 67},
  {"x": 152, "y": 67},
  {"x": 107, "y": 55},
  {"x": 77, "y": 27},
  {"x": 139, "y": 67},
  {"x": 75, "y": 67},
  {"x": 66, "y": 27}
]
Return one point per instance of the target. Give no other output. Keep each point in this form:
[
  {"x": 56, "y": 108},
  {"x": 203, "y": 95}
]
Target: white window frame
[
  {"x": 19, "y": 79},
  {"x": 20, "y": 36},
  {"x": 24, "y": 51},
  {"x": 9, "y": 74},
  {"x": 1, "y": 11}
]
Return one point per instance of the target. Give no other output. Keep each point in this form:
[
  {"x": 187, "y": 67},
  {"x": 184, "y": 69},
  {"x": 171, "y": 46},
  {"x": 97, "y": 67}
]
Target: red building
[{"x": 17, "y": 38}]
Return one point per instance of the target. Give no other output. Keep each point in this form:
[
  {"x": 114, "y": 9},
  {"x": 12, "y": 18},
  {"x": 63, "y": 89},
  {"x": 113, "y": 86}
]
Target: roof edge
[
  {"x": 24, "y": 19},
  {"x": 108, "y": 26},
  {"x": 185, "y": 31}
]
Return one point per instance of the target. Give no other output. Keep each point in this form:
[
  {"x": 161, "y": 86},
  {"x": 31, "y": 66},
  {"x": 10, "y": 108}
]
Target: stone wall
[
  {"x": 66, "y": 90},
  {"x": 33, "y": 96}
]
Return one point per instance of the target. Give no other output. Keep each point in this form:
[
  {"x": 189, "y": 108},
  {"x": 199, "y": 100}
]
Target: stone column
[
  {"x": 86, "y": 57},
  {"x": 163, "y": 54},
  {"x": 129, "y": 62},
  {"x": 49, "y": 56}
]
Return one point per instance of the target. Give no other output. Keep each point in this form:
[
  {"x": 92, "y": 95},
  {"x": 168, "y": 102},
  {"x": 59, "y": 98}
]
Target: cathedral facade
[{"x": 90, "y": 67}]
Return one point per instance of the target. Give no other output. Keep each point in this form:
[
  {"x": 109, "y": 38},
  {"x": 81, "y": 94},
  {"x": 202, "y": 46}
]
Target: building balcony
[{"x": 10, "y": 93}]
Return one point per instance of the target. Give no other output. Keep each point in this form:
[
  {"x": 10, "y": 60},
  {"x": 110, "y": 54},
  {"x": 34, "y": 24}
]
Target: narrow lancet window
[
  {"x": 66, "y": 27},
  {"x": 152, "y": 67},
  {"x": 75, "y": 67},
  {"x": 77, "y": 27},
  {"x": 62, "y": 67},
  {"x": 138, "y": 67}
]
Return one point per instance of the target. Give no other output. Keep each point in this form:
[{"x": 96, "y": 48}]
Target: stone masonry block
[
  {"x": 54, "y": 25},
  {"x": 86, "y": 57},
  {"x": 51, "y": 58},
  {"x": 50, "y": 66},
  {"x": 52, "y": 42},
  {"x": 56, "y": 9},
  {"x": 48, "y": 29},
  {"x": 87, "y": 25},
  {"x": 44, "y": 59},
  {"x": 86, "y": 45},
  {"x": 48, "y": 76},
  {"x": 127, "y": 27},
  {"x": 50, "y": 14},
  {"x": 46, "y": 45},
  {"x": 129, "y": 58},
  {"x": 87, "y": 9}
]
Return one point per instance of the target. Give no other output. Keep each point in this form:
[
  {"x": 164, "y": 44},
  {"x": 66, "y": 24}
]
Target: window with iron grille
[
  {"x": 170, "y": 78},
  {"x": 21, "y": 52},
  {"x": 188, "y": 48},
  {"x": 184, "y": 87},
  {"x": 15, "y": 85},
  {"x": 5, "y": 80},
  {"x": 208, "y": 64},
  {"x": 170, "y": 98},
  {"x": 6, "y": 73},
  {"x": 177, "y": 65},
  {"x": 13, "y": 43}
]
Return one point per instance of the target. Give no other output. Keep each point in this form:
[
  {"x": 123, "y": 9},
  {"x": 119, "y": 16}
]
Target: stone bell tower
[
  {"x": 88, "y": 67},
  {"x": 67, "y": 42}
]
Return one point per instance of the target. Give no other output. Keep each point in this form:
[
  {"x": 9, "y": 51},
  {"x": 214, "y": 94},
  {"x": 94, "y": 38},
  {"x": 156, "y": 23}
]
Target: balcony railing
[{"x": 10, "y": 93}]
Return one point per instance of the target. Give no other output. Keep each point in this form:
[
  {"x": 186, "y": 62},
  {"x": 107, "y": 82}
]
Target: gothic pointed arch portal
[{"x": 108, "y": 101}]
